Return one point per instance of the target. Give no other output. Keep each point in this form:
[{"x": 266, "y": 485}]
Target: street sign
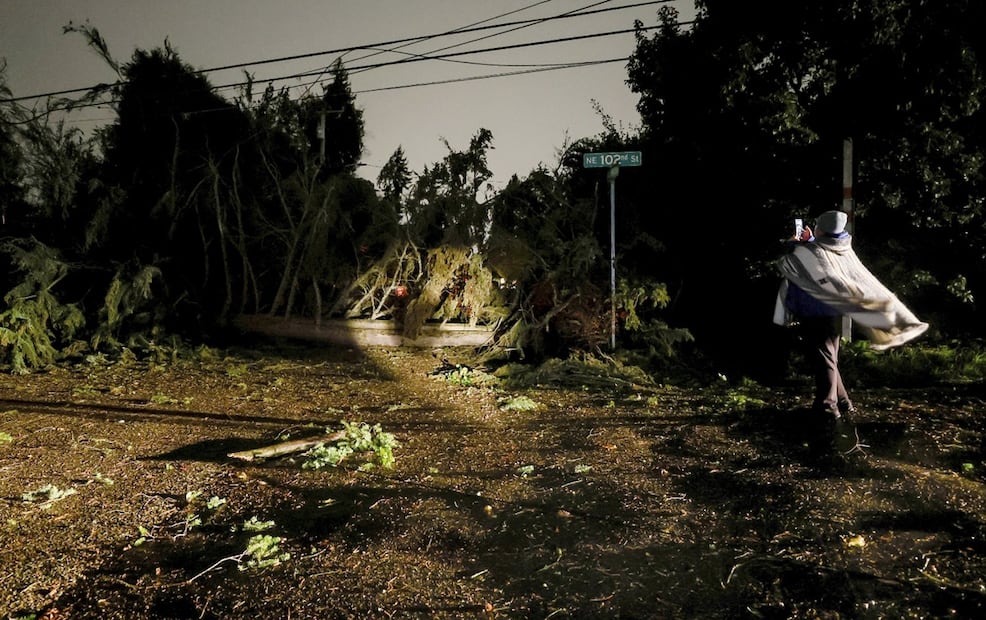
[
  {"x": 608, "y": 160},
  {"x": 613, "y": 161}
]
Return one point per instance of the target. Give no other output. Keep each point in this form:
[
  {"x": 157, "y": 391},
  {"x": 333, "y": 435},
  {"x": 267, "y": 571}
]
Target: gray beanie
[{"x": 831, "y": 223}]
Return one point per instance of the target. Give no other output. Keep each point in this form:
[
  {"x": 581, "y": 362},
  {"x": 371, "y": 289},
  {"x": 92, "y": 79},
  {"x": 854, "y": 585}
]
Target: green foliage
[
  {"x": 383, "y": 288},
  {"x": 359, "y": 438},
  {"x": 645, "y": 333},
  {"x": 542, "y": 229},
  {"x": 237, "y": 370},
  {"x": 579, "y": 371},
  {"x": 518, "y": 403},
  {"x": 253, "y": 524},
  {"x": 466, "y": 376},
  {"x": 325, "y": 456},
  {"x": 342, "y": 123},
  {"x": 47, "y": 494},
  {"x": 215, "y": 208},
  {"x": 459, "y": 376},
  {"x": 959, "y": 288},
  {"x": 262, "y": 551},
  {"x": 129, "y": 301},
  {"x": 545, "y": 244},
  {"x": 762, "y": 97},
  {"x": 916, "y": 365},
  {"x": 102, "y": 479},
  {"x": 34, "y": 321},
  {"x": 448, "y": 205},
  {"x": 6, "y": 437},
  {"x": 196, "y": 512},
  {"x": 457, "y": 287},
  {"x": 194, "y": 507},
  {"x": 633, "y": 298},
  {"x": 741, "y": 401},
  {"x": 11, "y": 156},
  {"x": 162, "y": 399},
  {"x": 395, "y": 176}
]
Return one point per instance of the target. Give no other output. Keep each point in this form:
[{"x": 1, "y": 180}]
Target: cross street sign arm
[{"x": 608, "y": 160}]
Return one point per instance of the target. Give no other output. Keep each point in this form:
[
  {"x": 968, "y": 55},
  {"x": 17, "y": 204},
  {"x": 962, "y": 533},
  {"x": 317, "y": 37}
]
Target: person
[{"x": 824, "y": 281}]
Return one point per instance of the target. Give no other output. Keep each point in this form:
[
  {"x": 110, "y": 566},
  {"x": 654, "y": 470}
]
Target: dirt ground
[{"x": 118, "y": 498}]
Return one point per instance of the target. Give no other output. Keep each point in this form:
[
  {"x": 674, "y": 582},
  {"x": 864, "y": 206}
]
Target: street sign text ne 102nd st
[{"x": 608, "y": 160}]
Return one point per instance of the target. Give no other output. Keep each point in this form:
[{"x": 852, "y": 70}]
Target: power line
[
  {"x": 417, "y": 39},
  {"x": 374, "y": 46},
  {"x": 497, "y": 34},
  {"x": 419, "y": 59},
  {"x": 578, "y": 65},
  {"x": 530, "y": 67},
  {"x": 456, "y": 31},
  {"x": 381, "y": 51}
]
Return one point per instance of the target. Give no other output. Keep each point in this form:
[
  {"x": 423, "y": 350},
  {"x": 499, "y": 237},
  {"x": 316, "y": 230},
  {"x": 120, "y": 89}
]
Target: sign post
[
  {"x": 613, "y": 161},
  {"x": 847, "y": 206}
]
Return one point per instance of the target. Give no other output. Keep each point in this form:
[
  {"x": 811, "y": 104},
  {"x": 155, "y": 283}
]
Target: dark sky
[{"x": 530, "y": 114}]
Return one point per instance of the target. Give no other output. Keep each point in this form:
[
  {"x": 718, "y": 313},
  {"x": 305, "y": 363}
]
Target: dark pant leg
[{"x": 822, "y": 336}]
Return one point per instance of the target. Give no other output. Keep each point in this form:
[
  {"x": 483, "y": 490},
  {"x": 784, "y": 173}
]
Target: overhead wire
[
  {"x": 460, "y": 30},
  {"x": 472, "y": 78},
  {"x": 416, "y": 58},
  {"x": 457, "y": 30},
  {"x": 530, "y": 67},
  {"x": 496, "y": 34},
  {"x": 575, "y": 65},
  {"x": 374, "y": 46},
  {"x": 419, "y": 59}
]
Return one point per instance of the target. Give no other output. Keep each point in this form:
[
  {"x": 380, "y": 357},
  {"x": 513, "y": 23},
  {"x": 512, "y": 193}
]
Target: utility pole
[
  {"x": 847, "y": 206},
  {"x": 847, "y": 200},
  {"x": 323, "y": 130}
]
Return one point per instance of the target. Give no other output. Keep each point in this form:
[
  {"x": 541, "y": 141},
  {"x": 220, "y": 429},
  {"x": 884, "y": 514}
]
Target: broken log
[{"x": 285, "y": 447}]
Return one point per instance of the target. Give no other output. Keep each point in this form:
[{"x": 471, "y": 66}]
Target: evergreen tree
[
  {"x": 334, "y": 126},
  {"x": 744, "y": 118},
  {"x": 11, "y": 162},
  {"x": 167, "y": 170}
]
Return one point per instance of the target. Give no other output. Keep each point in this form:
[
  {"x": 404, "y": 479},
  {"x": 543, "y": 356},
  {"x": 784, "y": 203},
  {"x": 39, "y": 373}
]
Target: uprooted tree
[{"x": 190, "y": 210}]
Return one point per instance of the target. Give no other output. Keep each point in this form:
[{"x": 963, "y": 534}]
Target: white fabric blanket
[{"x": 829, "y": 270}]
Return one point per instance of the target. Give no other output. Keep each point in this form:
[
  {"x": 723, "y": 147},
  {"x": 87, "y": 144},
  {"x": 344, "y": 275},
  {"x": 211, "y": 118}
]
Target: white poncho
[{"x": 830, "y": 271}]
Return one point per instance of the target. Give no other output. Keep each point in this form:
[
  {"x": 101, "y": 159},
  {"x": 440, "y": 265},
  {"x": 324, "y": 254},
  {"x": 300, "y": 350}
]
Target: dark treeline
[{"x": 189, "y": 209}]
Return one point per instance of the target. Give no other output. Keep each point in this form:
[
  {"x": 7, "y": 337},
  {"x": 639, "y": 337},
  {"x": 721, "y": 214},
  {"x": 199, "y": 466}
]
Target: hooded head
[{"x": 831, "y": 223}]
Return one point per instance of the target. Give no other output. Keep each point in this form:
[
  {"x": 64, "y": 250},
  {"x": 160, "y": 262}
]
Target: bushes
[
  {"x": 955, "y": 363},
  {"x": 34, "y": 322}
]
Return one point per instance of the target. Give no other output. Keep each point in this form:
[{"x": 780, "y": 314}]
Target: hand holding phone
[{"x": 801, "y": 232}]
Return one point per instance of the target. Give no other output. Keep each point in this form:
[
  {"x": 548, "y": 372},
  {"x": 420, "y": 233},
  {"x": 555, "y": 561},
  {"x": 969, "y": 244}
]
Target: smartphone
[{"x": 799, "y": 227}]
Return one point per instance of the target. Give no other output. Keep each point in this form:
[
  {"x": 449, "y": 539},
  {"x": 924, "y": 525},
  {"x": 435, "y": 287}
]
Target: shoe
[
  {"x": 827, "y": 414},
  {"x": 845, "y": 438},
  {"x": 847, "y": 409}
]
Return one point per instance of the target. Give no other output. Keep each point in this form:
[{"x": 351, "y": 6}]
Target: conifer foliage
[{"x": 190, "y": 209}]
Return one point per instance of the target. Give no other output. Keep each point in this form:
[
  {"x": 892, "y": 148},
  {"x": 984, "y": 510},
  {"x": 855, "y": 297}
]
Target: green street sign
[{"x": 608, "y": 160}]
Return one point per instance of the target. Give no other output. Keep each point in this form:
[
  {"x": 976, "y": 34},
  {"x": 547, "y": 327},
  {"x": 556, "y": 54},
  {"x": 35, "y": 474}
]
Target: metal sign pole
[
  {"x": 613, "y": 161},
  {"x": 847, "y": 206},
  {"x": 611, "y": 175}
]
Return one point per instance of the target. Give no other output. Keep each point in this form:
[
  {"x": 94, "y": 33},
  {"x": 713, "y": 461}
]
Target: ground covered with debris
[{"x": 588, "y": 498}]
